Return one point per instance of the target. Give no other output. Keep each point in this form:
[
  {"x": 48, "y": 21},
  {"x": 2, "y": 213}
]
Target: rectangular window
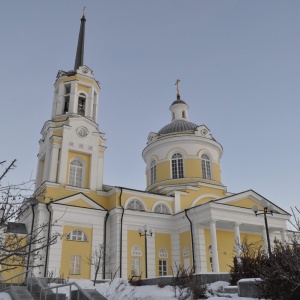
[
  {"x": 174, "y": 168},
  {"x": 135, "y": 267},
  {"x": 75, "y": 265},
  {"x": 162, "y": 268},
  {"x": 187, "y": 263},
  {"x": 180, "y": 168}
]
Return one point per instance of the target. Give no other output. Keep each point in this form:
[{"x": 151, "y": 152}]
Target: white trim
[
  {"x": 162, "y": 203},
  {"x": 204, "y": 196}
]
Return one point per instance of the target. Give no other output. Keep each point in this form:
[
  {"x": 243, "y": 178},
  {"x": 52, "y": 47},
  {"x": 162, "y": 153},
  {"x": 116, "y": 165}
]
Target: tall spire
[{"x": 80, "y": 45}]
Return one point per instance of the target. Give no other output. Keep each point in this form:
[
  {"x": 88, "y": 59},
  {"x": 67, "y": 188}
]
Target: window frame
[
  {"x": 158, "y": 209},
  {"x": 135, "y": 203},
  {"x": 81, "y": 105},
  {"x": 79, "y": 236},
  {"x": 75, "y": 265},
  {"x": 162, "y": 267},
  {"x": 177, "y": 166},
  {"x": 153, "y": 172},
  {"x": 71, "y": 181},
  {"x": 206, "y": 166}
]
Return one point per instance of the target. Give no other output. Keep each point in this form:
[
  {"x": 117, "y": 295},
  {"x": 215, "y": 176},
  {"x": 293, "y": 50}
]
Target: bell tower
[{"x": 72, "y": 147}]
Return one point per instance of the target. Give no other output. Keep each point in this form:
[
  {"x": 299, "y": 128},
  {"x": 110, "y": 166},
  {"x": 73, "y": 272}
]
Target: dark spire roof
[{"x": 80, "y": 46}]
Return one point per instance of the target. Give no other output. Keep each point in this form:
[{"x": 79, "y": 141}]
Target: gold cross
[{"x": 177, "y": 83}]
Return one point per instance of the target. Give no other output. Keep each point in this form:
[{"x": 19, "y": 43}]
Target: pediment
[
  {"x": 80, "y": 200},
  {"x": 248, "y": 199}
]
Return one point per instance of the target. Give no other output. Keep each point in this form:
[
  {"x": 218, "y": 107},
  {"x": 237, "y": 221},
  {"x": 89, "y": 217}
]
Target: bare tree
[
  {"x": 101, "y": 256},
  {"x": 20, "y": 246}
]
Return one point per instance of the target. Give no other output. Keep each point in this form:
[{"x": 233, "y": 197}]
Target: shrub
[
  {"x": 247, "y": 265},
  {"x": 185, "y": 284}
]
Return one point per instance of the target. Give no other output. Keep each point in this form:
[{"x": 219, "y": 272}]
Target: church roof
[
  {"x": 178, "y": 126},
  {"x": 80, "y": 45}
]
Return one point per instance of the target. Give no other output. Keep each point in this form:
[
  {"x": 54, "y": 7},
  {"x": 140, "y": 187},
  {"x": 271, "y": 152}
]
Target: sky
[{"x": 238, "y": 62}]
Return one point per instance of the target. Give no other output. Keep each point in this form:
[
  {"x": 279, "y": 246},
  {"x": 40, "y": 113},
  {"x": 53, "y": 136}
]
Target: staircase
[{"x": 37, "y": 289}]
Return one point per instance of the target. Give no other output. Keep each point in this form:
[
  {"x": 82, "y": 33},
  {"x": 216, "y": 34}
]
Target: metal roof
[{"x": 178, "y": 126}]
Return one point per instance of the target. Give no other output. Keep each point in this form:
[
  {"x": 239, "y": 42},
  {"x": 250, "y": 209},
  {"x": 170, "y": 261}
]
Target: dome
[{"x": 178, "y": 126}]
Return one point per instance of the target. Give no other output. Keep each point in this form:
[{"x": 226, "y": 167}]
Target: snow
[
  {"x": 119, "y": 289},
  {"x": 5, "y": 296}
]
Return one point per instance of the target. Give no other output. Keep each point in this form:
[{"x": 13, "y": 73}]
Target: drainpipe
[
  {"x": 31, "y": 231},
  {"x": 121, "y": 234},
  {"x": 192, "y": 238},
  {"x": 48, "y": 239},
  {"x": 104, "y": 242}
]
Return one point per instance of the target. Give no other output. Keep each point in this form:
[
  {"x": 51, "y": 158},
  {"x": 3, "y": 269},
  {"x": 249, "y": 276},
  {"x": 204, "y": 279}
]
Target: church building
[{"x": 185, "y": 216}]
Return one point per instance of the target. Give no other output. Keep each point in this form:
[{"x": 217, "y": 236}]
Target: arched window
[
  {"x": 67, "y": 98},
  {"x": 206, "y": 166},
  {"x": 186, "y": 251},
  {"x": 177, "y": 166},
  {"x": 163, "y": 253},
  {"x": 77, "y": 235},
  {"x": 76, "y": 172},
  {"x": 136, "y": 251},
  {"x": 81, "y": 104},
  {"x": 136, "y": 254},
  {"x": 162, "y": 209},
  {"x": 153, "y": 172},
  {"x": 163, "y": 262},
  {"x": 183, "y": 114},
  {"x": 173, "y": 116},
  {"x": 135, "y": 205}
]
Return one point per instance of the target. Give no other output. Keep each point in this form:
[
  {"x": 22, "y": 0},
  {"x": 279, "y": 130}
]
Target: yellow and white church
[{"x": 190, "y": 219}]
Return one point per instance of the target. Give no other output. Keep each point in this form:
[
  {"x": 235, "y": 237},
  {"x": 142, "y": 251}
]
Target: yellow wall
[
  {"x": 69, "y": 248},
  {"x": 163, "y": 171},
  {"x": 192, "y": 168},
  {"x": 247, "y": 203},
  {"x": 163, "y": 240},
  {"x": 133, "y": 239},
  {"x": 13, "y": 242},
  {"x": 225, "y": 241},
  {"x": 187, "y": 200},
  {"x": 216, "y": 172},
  {"x": 84, "y": 88}
]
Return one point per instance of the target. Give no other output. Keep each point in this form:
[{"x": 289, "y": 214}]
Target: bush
[
  {"x": 247, "y": 265},
  {"x": 279, "y": 273},
  {"x": 185, "y": 284}
]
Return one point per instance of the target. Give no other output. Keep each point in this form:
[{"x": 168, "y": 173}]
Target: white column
[
  {"x": 283, "y": 236},
  {"x": 237, "y": 239},
  {"x": 265, "y": 239},
  {"x": 214, "y": 246},
  {"x": 53, "y": 162}
]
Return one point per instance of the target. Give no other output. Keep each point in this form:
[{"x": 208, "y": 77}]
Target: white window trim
[
  {"x": 73, "y": 262},
  {"x": 171, "y": 164},
  {"x": 138, "y": 200},
  {"x": 164, "y": 204},
  {"x": 208, "y": 159},
  {"x": 83, "y": 172},
  {"x": 70, "y": 235}
]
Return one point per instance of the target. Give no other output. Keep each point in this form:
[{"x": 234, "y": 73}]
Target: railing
[
  {"x": 43, "y": 290},
  {"x": 79, "y": 289}
]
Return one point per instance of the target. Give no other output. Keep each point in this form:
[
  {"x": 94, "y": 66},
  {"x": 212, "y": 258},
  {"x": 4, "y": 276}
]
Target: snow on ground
[
  {"x": 120, "y": 289},
  {"x": 5, "y": 296}
]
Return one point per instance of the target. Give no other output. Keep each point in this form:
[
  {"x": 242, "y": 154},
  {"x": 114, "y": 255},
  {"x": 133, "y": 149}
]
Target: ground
[{"x": 121, "y": 290}]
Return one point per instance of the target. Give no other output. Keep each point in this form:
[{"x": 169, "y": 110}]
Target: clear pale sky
[{"x": 238, "y": 61}]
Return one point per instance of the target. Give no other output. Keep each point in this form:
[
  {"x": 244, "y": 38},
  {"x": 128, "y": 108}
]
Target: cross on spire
[
  {"x": 80, "y": 45},
  {"x": 177, "y": 88}
]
